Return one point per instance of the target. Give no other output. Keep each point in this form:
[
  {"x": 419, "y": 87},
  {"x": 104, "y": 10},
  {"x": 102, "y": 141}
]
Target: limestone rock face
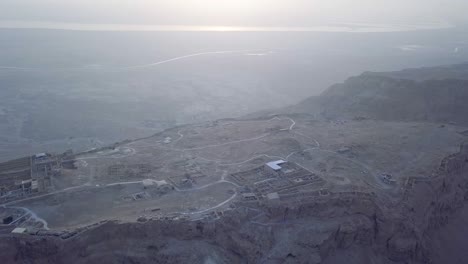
[
  {"x": 355, "y": 231},
  {"x": 392, "y": 99}
]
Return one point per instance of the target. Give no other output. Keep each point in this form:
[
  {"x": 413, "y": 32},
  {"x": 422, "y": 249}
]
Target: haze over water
[
  {"x": 333, "y": 27},
  {"x": 80, "y": 73}
]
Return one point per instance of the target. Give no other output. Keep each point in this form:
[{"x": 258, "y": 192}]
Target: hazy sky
[{"x": 236, "y": 12}]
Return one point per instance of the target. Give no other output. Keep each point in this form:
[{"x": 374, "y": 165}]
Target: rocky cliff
[
  {"x": 335, "y": 229},
  {"x": 456, "y": 71},
  {"x": 388, "y": 97}
]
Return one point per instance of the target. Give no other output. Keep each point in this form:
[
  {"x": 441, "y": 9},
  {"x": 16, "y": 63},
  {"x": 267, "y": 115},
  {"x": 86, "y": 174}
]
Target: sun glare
[
  {"x": 223, "y": 5},
  {"x": 218, "y": 7}
]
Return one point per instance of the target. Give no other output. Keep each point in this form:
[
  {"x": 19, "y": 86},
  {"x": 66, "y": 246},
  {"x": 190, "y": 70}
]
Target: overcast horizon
[
  {"x": 330, "y": 27},
  {"x": 236, "y": 14}
]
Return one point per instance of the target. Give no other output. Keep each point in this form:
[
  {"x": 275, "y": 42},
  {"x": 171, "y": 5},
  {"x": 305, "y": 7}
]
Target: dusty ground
[{"x": 193, "y": 165}]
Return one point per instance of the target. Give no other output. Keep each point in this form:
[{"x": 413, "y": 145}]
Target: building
[
  {"x": 273, "y": 196},
  {"x": 19, "y": 230},
  {"x": 25, "y": 176},
  {"x": 388, "y": 179},
  {"x": 40, "y": 155},
  {"x": 273, "y": 167},
  {"x": 249, "y": 196}
]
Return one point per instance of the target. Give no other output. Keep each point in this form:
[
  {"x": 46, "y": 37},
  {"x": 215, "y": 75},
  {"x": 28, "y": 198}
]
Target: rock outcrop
[
  {"x": 398, "y": 96},
  {"x": 352, "y": 228}
]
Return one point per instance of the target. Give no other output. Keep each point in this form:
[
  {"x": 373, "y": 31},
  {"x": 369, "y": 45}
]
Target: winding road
[
  {"x": 132, "y": 67},
  {"x": 222, "y": 179}
]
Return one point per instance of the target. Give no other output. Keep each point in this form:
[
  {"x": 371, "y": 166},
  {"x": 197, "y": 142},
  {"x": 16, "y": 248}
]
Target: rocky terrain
[
  {"x": 415, "y": 129},
  {"x": 409, "y": 95},
  {"x": 454, "y": 72},
  {"x": 360, "y": 231}
]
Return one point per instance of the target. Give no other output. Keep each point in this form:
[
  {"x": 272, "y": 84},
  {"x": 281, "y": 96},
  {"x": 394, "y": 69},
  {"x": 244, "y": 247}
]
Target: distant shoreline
[{"x": 338, "y": 27}]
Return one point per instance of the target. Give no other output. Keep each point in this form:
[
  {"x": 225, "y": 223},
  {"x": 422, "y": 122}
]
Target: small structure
[
  {"x": 149, "y": 183},
  {"x": 344, "y": 150},
  {"x": 249, "y": 196},
  {"x": 273, "y": 196},
  {"x": 34, "y": 185},
  {"x": 388, "y": 179},
  {"x": 19, "y": 230},
  {"x": 324, "y": 192},
  {"x": 40, "y": 155}
]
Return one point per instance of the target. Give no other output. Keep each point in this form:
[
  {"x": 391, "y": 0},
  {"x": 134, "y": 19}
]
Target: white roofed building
[
  {"x": 274, "y": 166},
  {"x": 40, "y": 155}
]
